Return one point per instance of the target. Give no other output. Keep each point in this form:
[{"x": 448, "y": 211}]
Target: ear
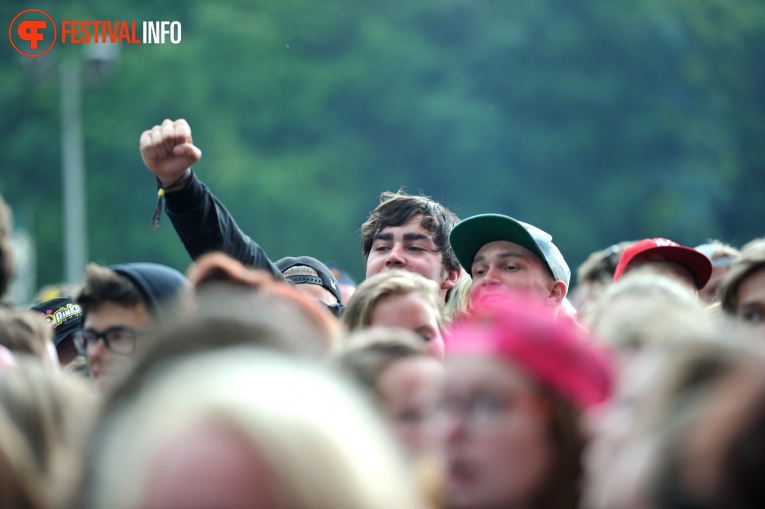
[
  {"x": 557, "y": 293},
  {"x": 452, "y": 278}
]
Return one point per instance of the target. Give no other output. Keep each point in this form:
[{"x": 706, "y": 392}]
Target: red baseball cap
[{"x": 665, "y": 250}]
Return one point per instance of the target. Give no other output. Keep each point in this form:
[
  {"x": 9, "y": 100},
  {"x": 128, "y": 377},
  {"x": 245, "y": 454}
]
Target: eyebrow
[
  {"x": 407, "y": 236},
  {"x": 750, "y": 304},
  {"x": 423, "y": 329},
  {"x": 502, "y": 256},
  {"x": 416, "y": 236},
  {"x": 384, "y": 236}
]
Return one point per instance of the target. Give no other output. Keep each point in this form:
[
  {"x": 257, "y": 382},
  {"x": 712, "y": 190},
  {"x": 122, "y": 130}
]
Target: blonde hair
[
  {"x": 25, "y": 332},
  {"x": 20, "y": 486},
  {"x": 665, "y": 310},
  {"x": 367, "y": 353},
  {"x": 300, "y": 270},
  {"x": 321, "y": 440},
  {"x": 47, "y": 416},
  {"x": 358, "y": 311},
  {"x": 459, "y": 300}
]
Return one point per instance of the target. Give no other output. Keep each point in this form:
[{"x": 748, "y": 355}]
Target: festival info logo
[{"x": 33, "y": 32}]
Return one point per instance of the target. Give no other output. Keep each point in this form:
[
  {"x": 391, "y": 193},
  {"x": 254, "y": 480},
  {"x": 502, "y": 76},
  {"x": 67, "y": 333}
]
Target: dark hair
[
  {"x": 6, "y": 249},
  {"x": 562, "y": 489},
  {"x": 733, "y": 408},
  {"x": 105, "y": 285},
  {"x": 601, "y": 265},
  {"x": 397, "y": 208}
]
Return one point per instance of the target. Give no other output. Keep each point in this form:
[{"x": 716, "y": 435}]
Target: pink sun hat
[{"x": 555, "y": 352}]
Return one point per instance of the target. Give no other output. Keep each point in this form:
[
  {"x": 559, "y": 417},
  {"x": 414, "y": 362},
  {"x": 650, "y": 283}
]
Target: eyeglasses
[
  {"x": 118, "y": 340},
  {"x": 483, "y": 408}
]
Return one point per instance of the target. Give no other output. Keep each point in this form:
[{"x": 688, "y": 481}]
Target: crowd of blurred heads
[{"x": 641, "y": 388}]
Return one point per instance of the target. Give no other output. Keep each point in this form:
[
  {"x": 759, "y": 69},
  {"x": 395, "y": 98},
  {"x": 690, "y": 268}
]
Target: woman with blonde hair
[
  {"x": 397, "y": 298},
  {"x": 243, "y": 428}
]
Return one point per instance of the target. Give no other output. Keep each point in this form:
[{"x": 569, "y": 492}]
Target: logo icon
[
  {"x": 29, "y": 30},
  {"x": 664, "y": 243}
]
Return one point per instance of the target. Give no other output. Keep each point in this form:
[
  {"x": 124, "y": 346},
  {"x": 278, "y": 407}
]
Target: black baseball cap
[
  {"x": 63, "y": 315},
  {"x": 325, "y": 277}
]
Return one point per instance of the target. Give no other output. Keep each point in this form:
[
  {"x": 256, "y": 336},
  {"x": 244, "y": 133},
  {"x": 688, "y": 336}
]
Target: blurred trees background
[{"x": 595, "y": 121}]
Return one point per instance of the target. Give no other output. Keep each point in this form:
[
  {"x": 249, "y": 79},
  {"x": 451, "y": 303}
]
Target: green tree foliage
[{"x": 596, "y": 121}]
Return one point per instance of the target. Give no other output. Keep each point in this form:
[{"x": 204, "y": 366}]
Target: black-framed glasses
[{"x": 118, "y": 340}]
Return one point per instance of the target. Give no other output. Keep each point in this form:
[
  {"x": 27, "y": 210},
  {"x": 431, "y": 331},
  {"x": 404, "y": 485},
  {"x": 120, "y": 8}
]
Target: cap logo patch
[
  {"x": 664, "y": 243},
  {"x": 59, "y": 316}
]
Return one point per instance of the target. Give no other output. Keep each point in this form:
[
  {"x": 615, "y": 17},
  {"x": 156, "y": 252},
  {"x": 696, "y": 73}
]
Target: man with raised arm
[{"x": 403, "y": 232}]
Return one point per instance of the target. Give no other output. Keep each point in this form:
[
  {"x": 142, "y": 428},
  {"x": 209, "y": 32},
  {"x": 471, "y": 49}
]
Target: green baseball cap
[{"x": 470, "y": 234}]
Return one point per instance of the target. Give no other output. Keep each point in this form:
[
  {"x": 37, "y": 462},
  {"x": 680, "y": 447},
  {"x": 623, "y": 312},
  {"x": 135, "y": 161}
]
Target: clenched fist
[{"x": 167, "y": 150}]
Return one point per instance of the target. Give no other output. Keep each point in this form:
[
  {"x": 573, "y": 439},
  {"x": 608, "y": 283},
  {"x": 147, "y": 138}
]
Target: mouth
[
  {"x": 490, "y": 296},
  {"x": 97, "y": 375},
  {"x": 460, "y": 473}
]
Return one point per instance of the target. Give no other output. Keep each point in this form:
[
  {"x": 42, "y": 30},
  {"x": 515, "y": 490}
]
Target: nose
[
  {"x": 492, "y": 276},
  {"x": 396, "y": 257},
  {"x": 450, "y": 427},
  {"x": 96, "y": 351}
]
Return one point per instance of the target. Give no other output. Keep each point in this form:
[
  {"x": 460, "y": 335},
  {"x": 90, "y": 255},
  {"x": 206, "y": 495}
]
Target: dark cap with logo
[{"x": 63, "y": 315}]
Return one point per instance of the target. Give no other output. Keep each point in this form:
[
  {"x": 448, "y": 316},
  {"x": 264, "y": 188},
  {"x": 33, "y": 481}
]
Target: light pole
[
  {"x": 73, "y": 170},
  {"x": 101, "y": 59}
]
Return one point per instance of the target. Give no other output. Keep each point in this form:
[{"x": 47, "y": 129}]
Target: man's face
[
  {"x": 501, "y": 265},
  {"x": 101, "y": 362},
  {"x": 410, "y": 247}
]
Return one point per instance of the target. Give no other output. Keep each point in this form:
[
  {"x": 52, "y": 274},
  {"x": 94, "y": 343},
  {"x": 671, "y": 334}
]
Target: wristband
[{"x": 161, "y": 191}]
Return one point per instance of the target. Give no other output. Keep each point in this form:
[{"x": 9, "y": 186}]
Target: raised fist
[{"x": 167, "y": 150}]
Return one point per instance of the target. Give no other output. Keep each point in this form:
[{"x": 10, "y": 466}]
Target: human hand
[{"x": 168, "y": 151}]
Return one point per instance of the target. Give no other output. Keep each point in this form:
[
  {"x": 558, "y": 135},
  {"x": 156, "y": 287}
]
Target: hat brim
[
  {"x": 471, "y": 234},
  {"x": 696, "y": 262},
  {"x": 329, "y": 282}
]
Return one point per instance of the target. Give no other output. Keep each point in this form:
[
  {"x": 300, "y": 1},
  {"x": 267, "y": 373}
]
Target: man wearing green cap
[{"x": 502, "y": 253}]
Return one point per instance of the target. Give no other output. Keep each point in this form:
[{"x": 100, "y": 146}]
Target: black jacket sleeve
[{"x": 204, "y": 225}]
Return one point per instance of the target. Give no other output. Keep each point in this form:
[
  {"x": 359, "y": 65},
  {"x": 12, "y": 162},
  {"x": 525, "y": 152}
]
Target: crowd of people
[{"x": 464, "y": 372}]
